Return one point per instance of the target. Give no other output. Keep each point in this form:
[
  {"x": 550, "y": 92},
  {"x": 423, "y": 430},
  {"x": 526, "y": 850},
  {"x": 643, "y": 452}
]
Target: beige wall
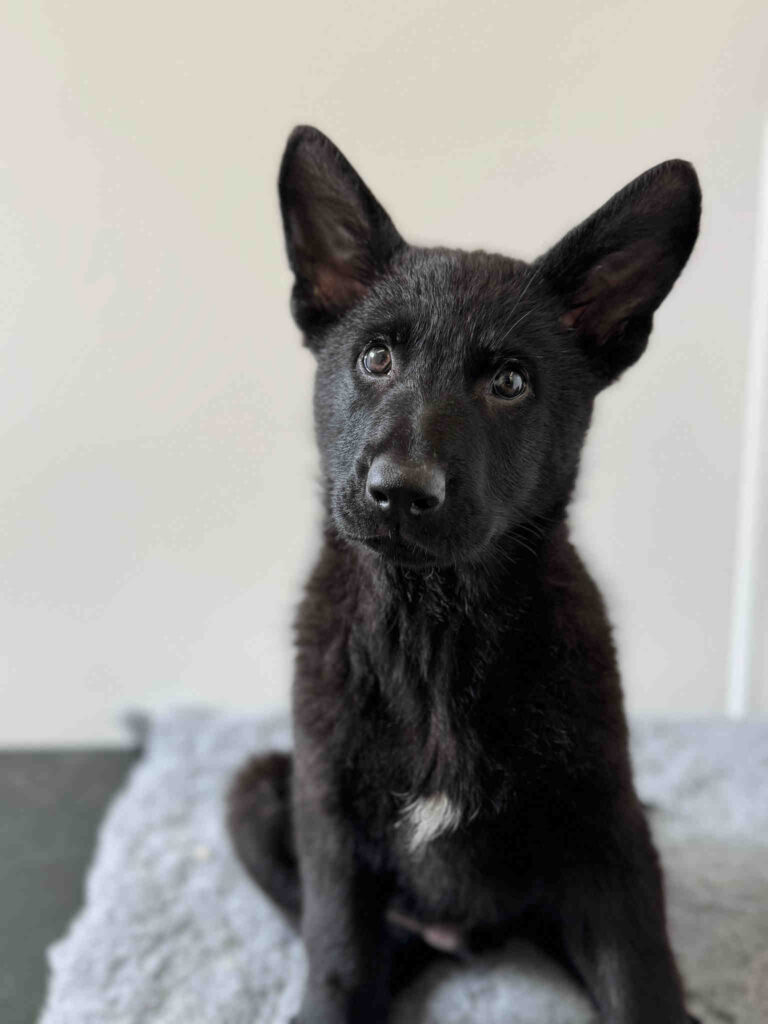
[{"x": 158, "y": 502}]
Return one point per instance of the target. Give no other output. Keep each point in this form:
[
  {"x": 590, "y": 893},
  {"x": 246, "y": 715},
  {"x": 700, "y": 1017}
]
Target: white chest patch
[{"x": 428, "y": 817}]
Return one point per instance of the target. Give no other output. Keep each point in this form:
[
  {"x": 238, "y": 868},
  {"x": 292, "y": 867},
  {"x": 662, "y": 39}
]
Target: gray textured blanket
[{"x": 172, "y": 932}]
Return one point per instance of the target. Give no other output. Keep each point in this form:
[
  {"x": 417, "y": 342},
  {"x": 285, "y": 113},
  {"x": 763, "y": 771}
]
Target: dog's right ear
[{"x": 339, "y": 238}]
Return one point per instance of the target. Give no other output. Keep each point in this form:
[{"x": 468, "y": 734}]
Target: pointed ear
[
  {"x": 339, "y": 238},
  {"x": 613, "y": 271}
]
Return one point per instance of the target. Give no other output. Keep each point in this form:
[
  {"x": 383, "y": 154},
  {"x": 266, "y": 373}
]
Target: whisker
[
  {"x": 521, "y": 296},
  {"x": 517, "y": 322}
]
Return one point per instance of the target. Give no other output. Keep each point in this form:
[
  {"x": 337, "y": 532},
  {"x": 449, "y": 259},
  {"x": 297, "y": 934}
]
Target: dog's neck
[{"x": 425, "y": 642}]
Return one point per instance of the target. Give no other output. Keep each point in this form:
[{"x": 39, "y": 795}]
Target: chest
[
  {"x": 420, "y": 774},
  {"x": 430, "y": 725}
]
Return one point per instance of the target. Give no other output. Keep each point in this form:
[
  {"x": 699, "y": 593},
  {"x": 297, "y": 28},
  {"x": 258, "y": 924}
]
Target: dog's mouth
[
  {"x": 393, "y": 546},
  {"x": 398, "y": 549}
]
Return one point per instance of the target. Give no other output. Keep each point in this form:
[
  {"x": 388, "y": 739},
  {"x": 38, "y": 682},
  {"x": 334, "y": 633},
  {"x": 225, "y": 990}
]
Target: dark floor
[{"x": 50, "y": 806}]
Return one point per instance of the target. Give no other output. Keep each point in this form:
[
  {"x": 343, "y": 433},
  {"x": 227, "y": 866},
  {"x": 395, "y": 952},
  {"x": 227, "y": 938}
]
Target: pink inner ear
[
  {"x": 336, "y": 290},
  {"x": 572, "y": 317},
  {"x": 615, "y": 288}
]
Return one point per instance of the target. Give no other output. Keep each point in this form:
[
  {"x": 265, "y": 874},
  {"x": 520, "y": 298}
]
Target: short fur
[{"x": 461, "y": 771}]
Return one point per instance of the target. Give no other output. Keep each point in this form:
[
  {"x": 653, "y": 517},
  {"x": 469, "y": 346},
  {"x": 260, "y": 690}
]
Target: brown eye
[
  {"x": 511, "y": 382},
  {"x": 377, "y": 360}
]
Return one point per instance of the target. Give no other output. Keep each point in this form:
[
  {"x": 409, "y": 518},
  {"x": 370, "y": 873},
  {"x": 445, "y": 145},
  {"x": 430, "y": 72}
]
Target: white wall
[{"x": 158, "y": 500}]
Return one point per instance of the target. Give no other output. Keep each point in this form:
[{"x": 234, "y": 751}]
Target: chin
[
  {"x": 402, "y": 552},
  {"x": 413, "y": 547}
]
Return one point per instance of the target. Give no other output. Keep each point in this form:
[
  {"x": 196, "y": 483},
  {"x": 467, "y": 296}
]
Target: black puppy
[{"x": 460, "y": 772}]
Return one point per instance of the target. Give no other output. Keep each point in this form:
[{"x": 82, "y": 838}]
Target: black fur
[{"x": 450, "y": 640}]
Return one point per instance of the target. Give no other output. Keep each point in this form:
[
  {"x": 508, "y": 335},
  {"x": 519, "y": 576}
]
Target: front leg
[
  {"x": 614, "y": 927},
  {"x": 343, "y": 914}
]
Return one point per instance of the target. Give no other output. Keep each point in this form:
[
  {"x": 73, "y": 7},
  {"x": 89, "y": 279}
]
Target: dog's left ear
[
  {"x": 613, "y": 271},
  {"x": 339, "y": 238}
]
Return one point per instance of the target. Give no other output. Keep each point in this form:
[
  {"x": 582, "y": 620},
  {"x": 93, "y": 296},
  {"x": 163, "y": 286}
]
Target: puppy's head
[{"x": 454, "y": 389}]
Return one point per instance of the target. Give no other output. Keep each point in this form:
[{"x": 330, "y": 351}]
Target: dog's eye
[
  {"x": 511, "y": 382},
  {"x": 377, "y": 359}
]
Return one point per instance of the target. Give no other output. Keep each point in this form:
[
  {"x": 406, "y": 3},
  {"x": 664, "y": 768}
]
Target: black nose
[{"x": 413, "y": 488}]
